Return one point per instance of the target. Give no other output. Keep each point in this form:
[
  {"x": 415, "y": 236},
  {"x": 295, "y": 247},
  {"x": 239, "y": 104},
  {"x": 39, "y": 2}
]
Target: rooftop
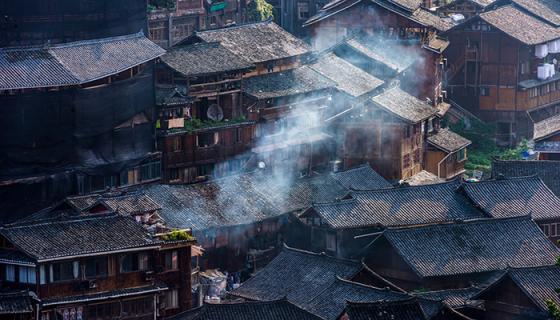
[
  {"x": 548, "y": 171},
  {"x": 448, "y": 141},
  {"x": 203, "y": 58},
  {"x": 331, "y": 302},
  {"x": 383, "y": 52},
  {"x": 240, "y": 199},
  {"x": 298, "y": 275},
  {"x": 410, "y": 309},
  {"x": 73, "y": 63},
  {"x": 521, "y": 25},
  {"x": 361, "y": 178},
  {"x": 514, "y": 197},
  {"x": 403, "y": 105},
  {"x": 16, "y": 302},
  {"x": 257, "y": 42},
  {"x": 254, "y": 310},
  {"x": 472, "y": 247},
  {"x": 349, "y": 79},
  {"x": 455, "y": 298},
  {"x": 546, "y": 128},
  {"x": 398, "y": 207},
  {"x": 53, "y": 240},
  {"x": 412, "y": 10},
  {"x": 422, "y": 178},
  {"x": 548, "y": 10},
  {"x": 287, "y": 83},
  {"x": 539, "y": 284},
  {"x": 331, "y": 8}
]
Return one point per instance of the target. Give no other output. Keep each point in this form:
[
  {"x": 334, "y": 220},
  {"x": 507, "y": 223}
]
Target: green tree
[
  {"x": 553, "y": 309},
  {"x": 259, "y": 10}
]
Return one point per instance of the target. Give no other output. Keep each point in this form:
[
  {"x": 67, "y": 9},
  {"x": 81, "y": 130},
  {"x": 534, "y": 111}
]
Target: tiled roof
[
  {"x": 548, "y": 171},
  {"x": 520, "y": 25},
  {"x": 428, "y": 18},
  {"x": 348, "y": 78},
  {"x": 408, "y": 4},
  {"x": 170, "y": 95},
  {"x": 547, "y": 128},
  {"x": 483, "y": 3},
  {"x": 547, "y": 146},
  {"x": 539, "y": 283},
  {"x": 131, "y": 203},
  {"x": 298, "y": 275},
  {"x": 448, "y": 140},
  {"x": 73, "y": 63},
  {"x": 253, "y": 310},
  {"x": 472, "y": 247},
  {"x": 411, "y": 10},
  {"x": 382, "y": 51},
  {"x": 514, "y": 197},
  {"x": 257, "y": 42},
  {"x": 330, "y": 303},
  {"x": 361, "y": 178},
  {"x": 203, "y": 58},
  {"x": 11, "y": 256},
  {"x": 58, "y": 239},
  {"x": 454, "y": 298},
  {"x": 330, "y": 9},
  {"x": 386, "y": 310},
  {"x": 127, "y": 292},
  {"x": 398, "y": 207},
  {"x": 15, "y": 302},
  {"x": 548, "y": 10},
  {"x": 240, "y": 199},
  {"x": 404, "y": 105},
  {"x": 287, "y": 83}
]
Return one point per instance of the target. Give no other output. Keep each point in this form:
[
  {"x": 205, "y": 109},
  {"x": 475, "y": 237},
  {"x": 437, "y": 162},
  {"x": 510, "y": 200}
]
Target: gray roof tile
[
  {"x": 473, "y": 247},
  {"x": 15, "y": 302},
  {"x": 287, "y": 83},
  {"x": 514, "y": 197},
  {"x": 404, "y": 105},
  {"x": 73, "y": 63},
  {"x": 546, "y": 128},
  {"x": 257, "y": 42},
  {"x": 448, "y": 140},
  {"x": 548, "y": 10},
  {"x": 203, "y": 58},
  {"x": 361, "y": 178},
  {"x": 71, "y": 237},
  {"x": 539, "y": 283},
  {"x": 548, "y": 171}
]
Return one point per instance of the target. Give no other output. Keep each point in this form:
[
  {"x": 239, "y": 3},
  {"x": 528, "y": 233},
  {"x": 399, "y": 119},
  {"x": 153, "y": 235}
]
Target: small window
[
  {"x": 172, "y": 299},
  {"x": 27, "y": 275},
  {"x": 207, "y": 139},
  {"x": 406, "y": 161},
  {"x": 331, "y": 242},
  {"x": 95, "y": 267},
  {"x": 63, "y": 271},
  {"x": 10, "y": 273},
  {"x": 462, "y": 155},
  {"x": 129, "y": 263},
  {"x": 171, "y": 260},
  {"x": 417, "y": 156},
  {"x": 238, "y": 135},
  {"x": 143, "y": 262},
  {"x": 173, "y": 174},
  {"x": 546, "y": 229},
  {"x": 484, "y": 91},
  {"x": 553, "y": 230},
  {"x": 303, "y": 10},
  {"x": 270, "y": 66}
]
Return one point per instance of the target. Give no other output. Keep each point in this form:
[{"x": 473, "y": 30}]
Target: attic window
[{"x": 303, "y": 10}]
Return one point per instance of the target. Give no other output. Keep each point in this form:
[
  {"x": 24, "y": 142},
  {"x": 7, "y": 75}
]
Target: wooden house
[
  {"x": 521, "y": 293},
  {"x": 466, "y": 8},
  {"x": 338, "y": 227},
  {"x": 96, "y": 266},
  {"x": 458, "y": 254},
  {"x": 446, "y": 154},
  {"x": 241, "y": 220},
  {"x": 501, "y": 69},
  {"x": 203, "y": 130},
  {"x": 524, "y": 196},
  {"x": 388, "y": 132},
  {"x": 546, "y": 135},
  {"x": 169, "y": 25},
  {"x": 18, "y": 305},
  {"x": 548, "y": 171}
]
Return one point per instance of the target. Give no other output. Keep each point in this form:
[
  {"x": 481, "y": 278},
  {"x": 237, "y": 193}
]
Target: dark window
[
  {"x": 150, "y": 171},
  {"x": 207, "y": 139},
  {"x": 417, "y": 156},
  {"x": 238, "y": 135},
  {"x": 134, "y": 262},
  {"x": 62, "y": 271},
  {"x": 406, "y": 161},
  {"x": 171, "y": 260},
  {"x": 177, "y": 144},
  {"x": 95, "y": 267},
  {"x": 484, "y": 91}
]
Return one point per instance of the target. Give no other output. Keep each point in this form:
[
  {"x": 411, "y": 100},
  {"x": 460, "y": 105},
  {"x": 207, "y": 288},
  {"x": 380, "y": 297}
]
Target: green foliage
[
  {"x": 558, "y": 261},
  {"x": 177, "y": 235},
  {"x": 259, "y": 10},
  {"x": 195, "y": 124},
  {"x": 161, "y": 4},
  {"x": 483, "y": 147},
  {"x": 553, "y": 309}
]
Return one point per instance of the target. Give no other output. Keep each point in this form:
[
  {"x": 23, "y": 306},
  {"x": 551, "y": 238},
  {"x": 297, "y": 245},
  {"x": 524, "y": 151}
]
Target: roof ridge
[
  {"x": 51, "y": 222},
  {"x": 409, "y": 187},
  {"x": 363, "y": 285},
  {"x": 237, "y": 26},
  {"x": 319, "y": 254},
  {"x": 462, "y": 222}
]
